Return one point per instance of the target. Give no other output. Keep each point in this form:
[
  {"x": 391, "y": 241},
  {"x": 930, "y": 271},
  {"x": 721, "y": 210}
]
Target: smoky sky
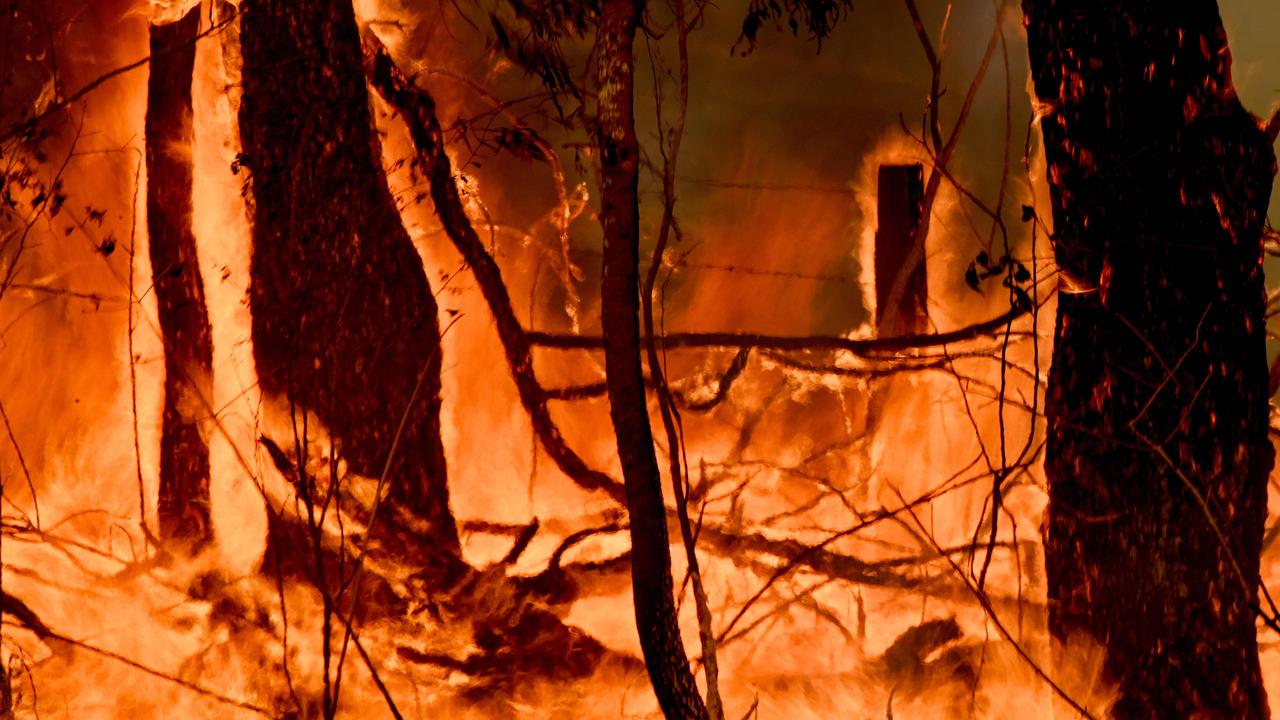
[{"x": 799, "y": 119}]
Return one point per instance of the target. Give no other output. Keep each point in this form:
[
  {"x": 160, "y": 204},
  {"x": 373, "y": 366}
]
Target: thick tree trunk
[
  {"x": 1158, "y": 454},
  {"x": 344, "y": 321},
  {"x": 619, "y": 150},
  {"x": 184, "y": 319}
]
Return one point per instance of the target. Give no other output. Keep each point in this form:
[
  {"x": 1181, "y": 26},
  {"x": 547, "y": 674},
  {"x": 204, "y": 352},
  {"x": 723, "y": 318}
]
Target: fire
[{"x": 844, "y": 500}]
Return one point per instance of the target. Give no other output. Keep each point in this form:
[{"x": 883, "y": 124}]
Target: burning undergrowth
[{"x": 866, "y": 505}]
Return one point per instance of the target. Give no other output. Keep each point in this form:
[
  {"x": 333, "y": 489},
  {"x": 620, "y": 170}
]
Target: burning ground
[{"x": 315, "y": 403}]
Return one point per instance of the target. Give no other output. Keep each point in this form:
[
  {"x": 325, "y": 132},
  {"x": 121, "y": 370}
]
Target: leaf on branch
[
  {"x": 1021, "y": 274},
  {"x": 971, "y": 277},
  {"x": 1021, "y": 300},
  {"x": 819, "y": 17},
  {"x": 279, "y": 458},
  {"x": 521, "y": 142}
]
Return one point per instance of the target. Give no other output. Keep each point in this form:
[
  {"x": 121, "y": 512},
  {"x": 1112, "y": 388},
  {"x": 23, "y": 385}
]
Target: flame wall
[{"x": 777, "y": 212}]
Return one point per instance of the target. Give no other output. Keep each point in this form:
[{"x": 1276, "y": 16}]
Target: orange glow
[{"x": 804, "y": 447}]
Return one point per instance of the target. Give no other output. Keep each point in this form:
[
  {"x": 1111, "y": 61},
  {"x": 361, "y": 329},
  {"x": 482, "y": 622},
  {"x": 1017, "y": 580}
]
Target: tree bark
[
  {"x": 619, "y": 150},
  {"x": 344, "y": 321},
  {"x": 899, "y": 207},
  {"x": 184, "y": 319},
  {"x": 1158, "y": 453}
]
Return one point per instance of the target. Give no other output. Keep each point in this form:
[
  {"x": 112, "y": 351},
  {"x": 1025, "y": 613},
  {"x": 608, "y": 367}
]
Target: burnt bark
[
  {"x": 344, "y": 322},
  {"x": 184, "y": 319},
  {"x": 1157, "y": 454},
  {"x": 899, "y": 198},
  {"x": 619, "y": 153}
]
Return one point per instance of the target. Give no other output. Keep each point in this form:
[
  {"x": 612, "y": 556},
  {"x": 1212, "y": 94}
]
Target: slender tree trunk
[
  {"x": 619, "y": 150},
  {"x": 1158, "y": 452},
  {"x": 344, "y": 321},
  {"x": 899, "y": 198},
  {"x": 179, "y": 291}
]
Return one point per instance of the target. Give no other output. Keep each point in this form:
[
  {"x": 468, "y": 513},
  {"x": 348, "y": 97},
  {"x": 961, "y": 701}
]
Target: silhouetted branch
[
  {"x": 417, "y": 108},
  {"x": 857, "y": 346},
  {"x": 32, "y": 123}
]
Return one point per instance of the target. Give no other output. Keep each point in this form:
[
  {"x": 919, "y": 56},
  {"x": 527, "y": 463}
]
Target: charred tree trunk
[
  {"x": 344, "y": 321},
  {"x": 619, "y": 150},
  {"x": 899, "y": 213},
  {"x": 184, "y": 319},
  {"x": 1158, "y": 453},
  {"x": 899, "y": 206}
]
